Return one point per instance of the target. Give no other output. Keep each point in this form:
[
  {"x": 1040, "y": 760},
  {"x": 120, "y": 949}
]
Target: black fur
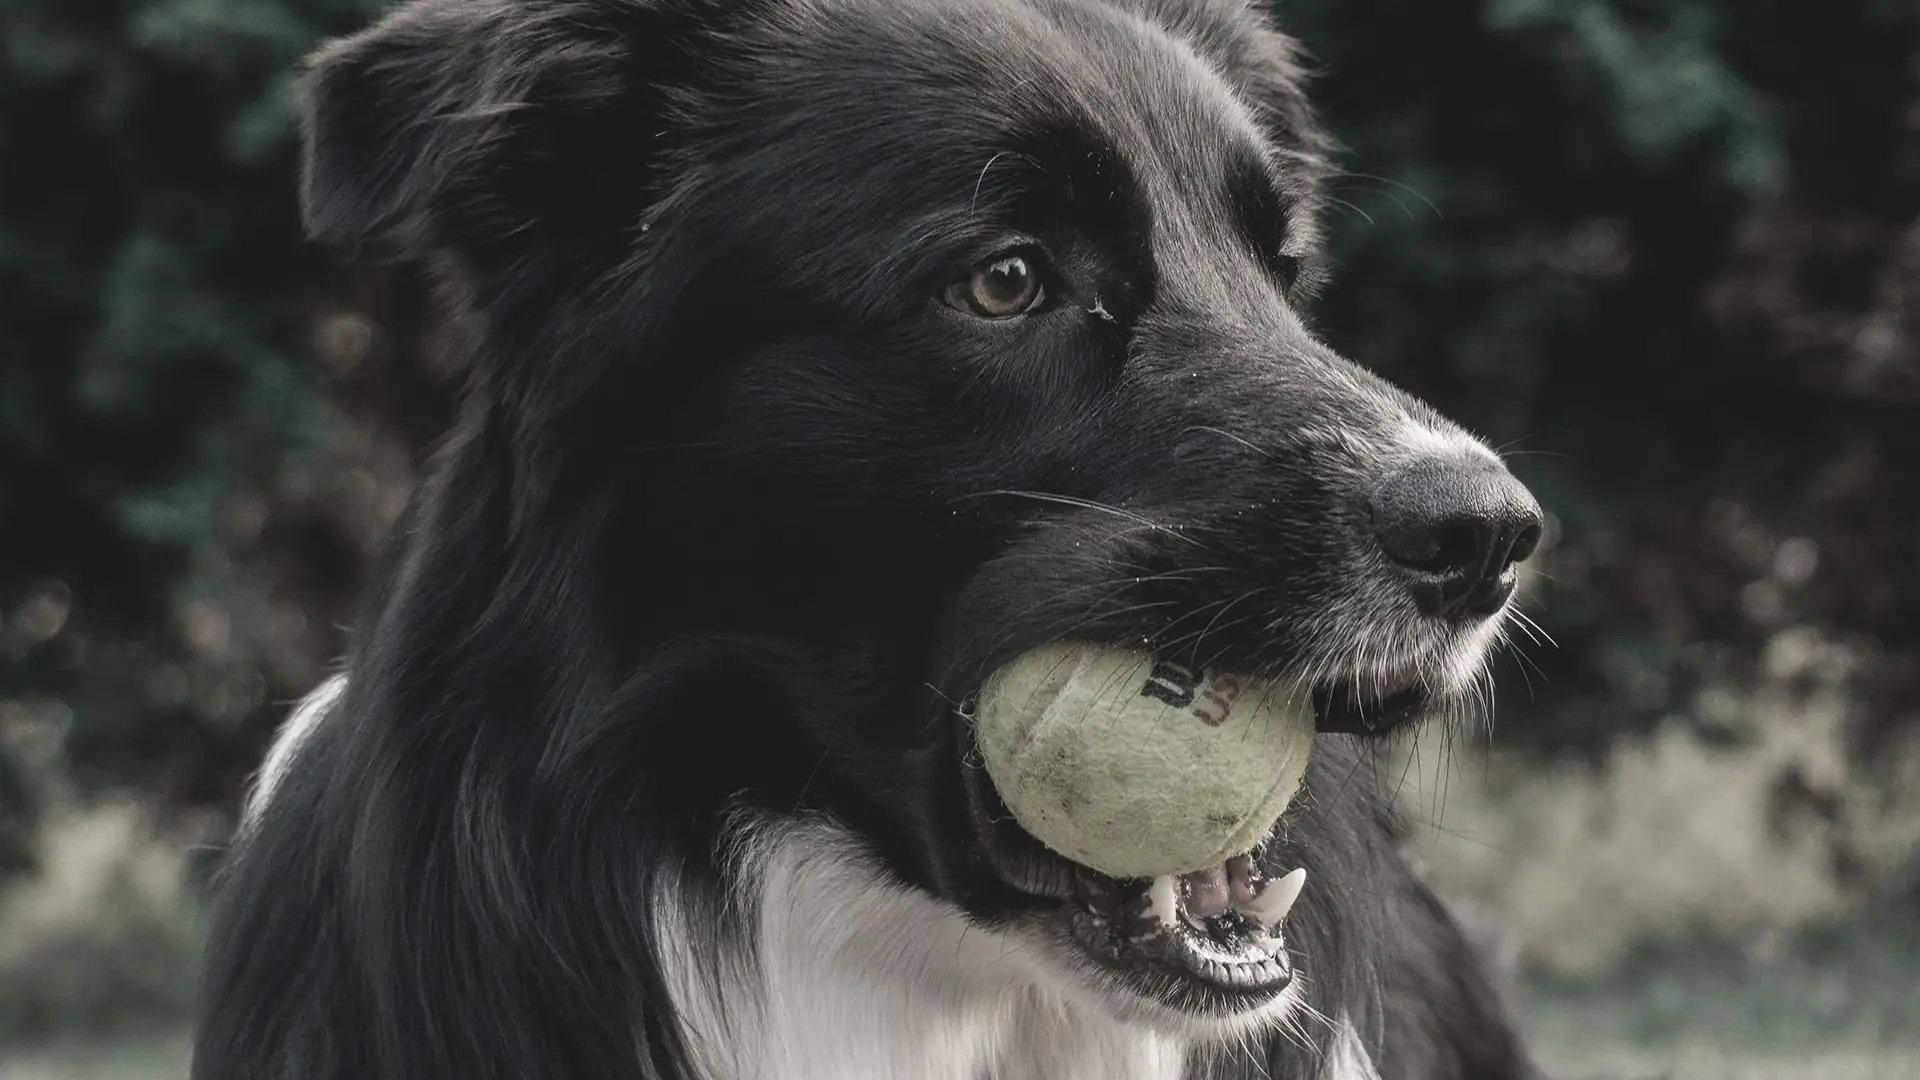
[{"x": 735, "y": 508}]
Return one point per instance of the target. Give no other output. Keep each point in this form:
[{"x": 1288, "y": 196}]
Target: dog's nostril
[
  {"x": 1458, "y": 527},
  {"x": 1457, "y": 545},
  {"x": 1524, "y": 545}
]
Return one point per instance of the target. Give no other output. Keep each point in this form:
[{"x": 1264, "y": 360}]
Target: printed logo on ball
[{"x": 1208, "y": 698}]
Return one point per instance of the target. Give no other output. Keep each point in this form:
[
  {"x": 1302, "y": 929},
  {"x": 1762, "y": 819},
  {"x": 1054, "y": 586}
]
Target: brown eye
[
  {"x": 999, "y": 288},
  {"x": 1288, "y": 268}
]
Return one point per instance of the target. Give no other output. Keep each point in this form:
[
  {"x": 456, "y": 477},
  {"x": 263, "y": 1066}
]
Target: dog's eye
[
  {"x": 999, "y": 288},
  {"x": 1287, "y": 267}
]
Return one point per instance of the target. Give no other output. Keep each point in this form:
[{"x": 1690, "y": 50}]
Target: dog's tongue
[{"x": 1208, "y": 891}]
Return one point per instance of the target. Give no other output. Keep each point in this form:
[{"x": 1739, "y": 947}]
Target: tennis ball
[{"x": 1138, "y": 767}]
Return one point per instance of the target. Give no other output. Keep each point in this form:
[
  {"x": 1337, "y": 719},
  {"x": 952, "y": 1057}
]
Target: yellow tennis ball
[{"x": 1138, "y": 767}]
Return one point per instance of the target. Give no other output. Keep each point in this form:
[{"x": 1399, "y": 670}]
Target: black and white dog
[{"x": 824, "y": 355}]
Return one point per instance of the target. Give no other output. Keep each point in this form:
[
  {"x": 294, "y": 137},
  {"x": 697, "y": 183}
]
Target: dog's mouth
[
  {"x": 1345, "y": 707},
  {"x": 1219, "y": 932},
  {"x": 1223, "y": 926},
  {"x": 1220, "y": 927}
]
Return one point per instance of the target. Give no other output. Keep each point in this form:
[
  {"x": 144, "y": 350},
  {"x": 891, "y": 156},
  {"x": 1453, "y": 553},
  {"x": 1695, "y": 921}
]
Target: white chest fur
[{"x": 859, "y": 979}]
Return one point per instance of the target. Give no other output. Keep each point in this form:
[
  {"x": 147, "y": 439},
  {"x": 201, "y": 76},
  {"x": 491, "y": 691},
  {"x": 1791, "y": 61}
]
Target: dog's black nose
[{"x": 1457, "y": 528}]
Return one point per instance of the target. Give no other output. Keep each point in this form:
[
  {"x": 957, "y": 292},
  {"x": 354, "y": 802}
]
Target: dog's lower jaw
[{"x": 854, "y": 977}]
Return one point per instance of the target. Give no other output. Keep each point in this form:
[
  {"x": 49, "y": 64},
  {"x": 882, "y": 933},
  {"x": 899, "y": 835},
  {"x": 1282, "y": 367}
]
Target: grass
[
  {"x": 155, "y": 1056},
  {"x": 1837, "y": 1003},
  {"x": 1832, "y": 1003}
]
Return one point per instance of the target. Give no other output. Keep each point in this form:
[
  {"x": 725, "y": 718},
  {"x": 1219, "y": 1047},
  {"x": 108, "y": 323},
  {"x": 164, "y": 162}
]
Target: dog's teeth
[
  {"x": 1206, "y": 891},
  {"x": 1270, "y": 907},
  {"x": 1163, "y": 900}
]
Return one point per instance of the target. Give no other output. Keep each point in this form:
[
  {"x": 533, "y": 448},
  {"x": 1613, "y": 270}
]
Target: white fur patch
[
  {"x": 1347, "y": 1058},
  {"x": 287, "y": 741},
  {"x": 1423, "y": 440},
  {"x": 856, "y": 978}
]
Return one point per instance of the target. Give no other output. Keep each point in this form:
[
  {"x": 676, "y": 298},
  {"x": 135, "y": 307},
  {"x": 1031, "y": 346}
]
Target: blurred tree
[
  {"x": 172, "y": 560},
  {"x": 1665, "y": 251}
]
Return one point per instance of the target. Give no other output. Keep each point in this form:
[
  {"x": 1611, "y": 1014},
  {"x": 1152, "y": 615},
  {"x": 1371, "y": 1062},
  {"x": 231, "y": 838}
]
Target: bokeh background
[{"x": 1666, "y": 253}]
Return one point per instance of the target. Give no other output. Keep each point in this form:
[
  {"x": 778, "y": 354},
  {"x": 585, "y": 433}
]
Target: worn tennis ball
[{"x": 1136, "y": 766}]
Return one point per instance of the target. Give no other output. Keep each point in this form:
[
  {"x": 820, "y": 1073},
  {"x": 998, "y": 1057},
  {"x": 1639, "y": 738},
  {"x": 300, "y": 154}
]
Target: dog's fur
[{"x": 646, "y": 762}]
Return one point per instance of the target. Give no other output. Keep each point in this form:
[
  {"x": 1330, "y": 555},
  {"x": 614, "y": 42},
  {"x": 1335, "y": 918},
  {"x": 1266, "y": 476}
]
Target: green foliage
[
  {"x": 153, "y": 373},
  {"x": 1661, "y": 78}
]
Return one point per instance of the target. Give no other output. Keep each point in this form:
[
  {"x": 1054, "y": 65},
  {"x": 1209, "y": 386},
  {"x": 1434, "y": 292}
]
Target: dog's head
[{"x": 912, "y": 336}]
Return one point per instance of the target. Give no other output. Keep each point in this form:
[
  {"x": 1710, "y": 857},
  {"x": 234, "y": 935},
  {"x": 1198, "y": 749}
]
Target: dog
[{"x": 821, "y": 356}]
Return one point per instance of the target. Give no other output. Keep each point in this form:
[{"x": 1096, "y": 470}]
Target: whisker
[
  {"x": 982, "y": 179},
  {"x": 1307, "y": 1009},
  {"x": 1231, "y": 437},
  {"x": 1520, "y": 656},
  {"x": 1343, "y": 204},
  {"x": 1378, "y": 179},
  {"x": 1516, "y": 441},
  {"x": 1536, "y": 627},
  {"x": 1090, "y": 504},
  {"x": 1228, "y": 606},
  {"x": 1023, "y": 614},
  {"x": 1059, "y": 631}
]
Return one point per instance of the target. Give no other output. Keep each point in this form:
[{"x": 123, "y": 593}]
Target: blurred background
[{"x": 1666, "y": 253}]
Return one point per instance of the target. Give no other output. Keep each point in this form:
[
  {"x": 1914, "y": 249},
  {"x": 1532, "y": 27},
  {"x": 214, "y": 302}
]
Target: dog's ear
[
  {"x": 461, "y": 124},
  {"x": 1267, "y": 64},
  {"x": 1278, "y": 75}
]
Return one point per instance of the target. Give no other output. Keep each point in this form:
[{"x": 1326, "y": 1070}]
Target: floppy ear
[
  {"x": 465, "y": 124},
  {"x": 1267, "y": 66}
]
